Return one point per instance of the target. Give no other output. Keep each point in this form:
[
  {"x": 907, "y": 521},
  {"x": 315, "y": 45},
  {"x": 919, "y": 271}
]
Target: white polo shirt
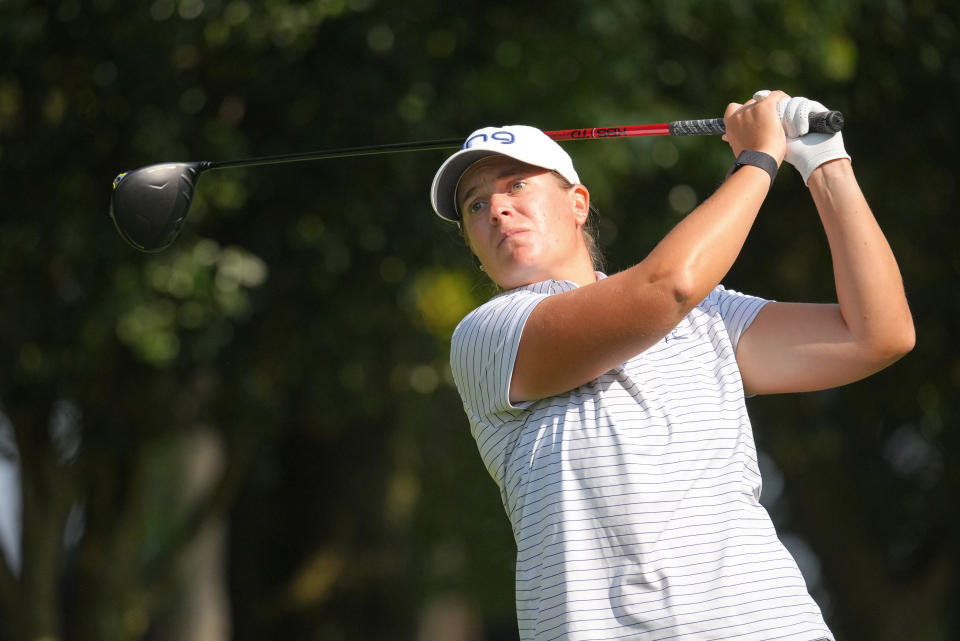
[{"x": 634, "y": 499}]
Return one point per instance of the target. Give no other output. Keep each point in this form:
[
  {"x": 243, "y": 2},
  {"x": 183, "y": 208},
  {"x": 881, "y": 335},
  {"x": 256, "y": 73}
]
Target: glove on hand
[{"x": 805, "y": 151}]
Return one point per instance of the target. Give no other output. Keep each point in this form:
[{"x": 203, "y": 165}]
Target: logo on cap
[{"x": 502, "y": 136}]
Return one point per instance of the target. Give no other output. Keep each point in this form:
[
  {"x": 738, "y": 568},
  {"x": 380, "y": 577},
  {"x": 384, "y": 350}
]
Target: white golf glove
[{"x": 805, "y": 151}]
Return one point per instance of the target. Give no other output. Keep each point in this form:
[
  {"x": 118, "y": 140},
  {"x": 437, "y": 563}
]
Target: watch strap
[{"x": 759, "y": 159}]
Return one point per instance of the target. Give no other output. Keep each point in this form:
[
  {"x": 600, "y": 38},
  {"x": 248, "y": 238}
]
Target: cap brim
[{"x": 443, "y": 192}]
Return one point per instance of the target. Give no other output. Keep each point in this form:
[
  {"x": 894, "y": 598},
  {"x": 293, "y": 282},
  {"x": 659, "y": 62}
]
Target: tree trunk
[{"x": 199, "y": 606}]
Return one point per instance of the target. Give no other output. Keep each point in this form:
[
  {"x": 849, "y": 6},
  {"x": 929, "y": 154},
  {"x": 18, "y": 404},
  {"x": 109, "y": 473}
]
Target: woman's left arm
[{"x": 794, "y": 347}]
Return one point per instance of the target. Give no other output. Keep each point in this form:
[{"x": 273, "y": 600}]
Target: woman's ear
[{"x": 581, "y": 203}]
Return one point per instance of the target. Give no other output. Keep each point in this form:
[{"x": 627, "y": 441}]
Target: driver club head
[{"x": 149, "y": 205}]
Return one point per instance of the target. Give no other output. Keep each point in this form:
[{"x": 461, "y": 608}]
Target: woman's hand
[{"x": 756, "y": 125}]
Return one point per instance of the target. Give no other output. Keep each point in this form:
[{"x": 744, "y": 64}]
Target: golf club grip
[{"x": 821, "y": 122}]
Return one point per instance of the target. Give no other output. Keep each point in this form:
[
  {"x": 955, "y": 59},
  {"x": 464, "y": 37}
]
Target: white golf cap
[{"x": 526, "y": 144}]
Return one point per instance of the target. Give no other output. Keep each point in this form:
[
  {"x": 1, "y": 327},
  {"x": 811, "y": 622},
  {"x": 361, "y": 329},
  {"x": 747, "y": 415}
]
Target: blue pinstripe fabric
[{"x": 634, "y": 499}]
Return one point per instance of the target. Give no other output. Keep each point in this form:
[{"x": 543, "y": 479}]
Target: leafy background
[{"x": 254, "y": 434}]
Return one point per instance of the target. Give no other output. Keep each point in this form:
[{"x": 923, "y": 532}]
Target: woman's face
[{"x": 520, "y": 222}]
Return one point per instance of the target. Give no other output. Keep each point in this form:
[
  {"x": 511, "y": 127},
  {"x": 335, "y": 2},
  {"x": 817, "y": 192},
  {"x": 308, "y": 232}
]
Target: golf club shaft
[{"x": 824, "y": 122}]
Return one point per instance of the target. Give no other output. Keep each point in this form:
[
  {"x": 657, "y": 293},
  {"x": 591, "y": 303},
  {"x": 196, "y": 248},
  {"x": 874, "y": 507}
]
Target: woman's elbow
[
  {"x": 895, "y": 343},
  {"x": 682, "y": 289},
  {"x": 906, "y": 341}
]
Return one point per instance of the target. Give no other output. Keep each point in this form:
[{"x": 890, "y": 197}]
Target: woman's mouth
[{"x": 510, "y": 234}]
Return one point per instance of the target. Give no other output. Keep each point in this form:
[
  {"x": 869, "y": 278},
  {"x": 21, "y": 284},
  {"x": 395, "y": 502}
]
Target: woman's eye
[
  {"x": 517, "y": 186},
  {"x": 475, "y": 206}
]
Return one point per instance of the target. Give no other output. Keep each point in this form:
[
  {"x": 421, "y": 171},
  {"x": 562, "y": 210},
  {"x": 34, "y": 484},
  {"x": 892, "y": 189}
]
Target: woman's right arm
[{"x": 571, "y": 338}]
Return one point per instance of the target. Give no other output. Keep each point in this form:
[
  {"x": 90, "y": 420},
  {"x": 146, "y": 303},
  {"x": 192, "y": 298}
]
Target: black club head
[{"x": 149, "y": 205}]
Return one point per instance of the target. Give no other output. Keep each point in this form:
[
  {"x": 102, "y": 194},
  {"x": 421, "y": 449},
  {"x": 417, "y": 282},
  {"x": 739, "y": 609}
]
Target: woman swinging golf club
[{"x": 610, "y": 410}]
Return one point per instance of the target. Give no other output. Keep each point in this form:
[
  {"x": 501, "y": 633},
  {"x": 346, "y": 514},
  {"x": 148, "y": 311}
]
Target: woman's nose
[{"x": 499, "y": 206}]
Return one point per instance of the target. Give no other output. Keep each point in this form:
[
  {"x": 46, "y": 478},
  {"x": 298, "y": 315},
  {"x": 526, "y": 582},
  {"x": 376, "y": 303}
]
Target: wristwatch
[{"x": 757, "y": 159}]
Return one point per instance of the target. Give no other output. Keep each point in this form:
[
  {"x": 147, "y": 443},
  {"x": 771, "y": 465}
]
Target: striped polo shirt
[{"x": 634, "y": 498}]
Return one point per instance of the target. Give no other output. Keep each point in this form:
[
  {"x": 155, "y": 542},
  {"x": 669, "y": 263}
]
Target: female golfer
[{"x": 610, "y": 410}]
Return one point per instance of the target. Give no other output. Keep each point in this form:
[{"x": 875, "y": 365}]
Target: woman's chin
[{"x": 519, "y": 276}]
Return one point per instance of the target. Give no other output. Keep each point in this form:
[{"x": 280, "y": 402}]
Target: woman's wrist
[
  {"x": 830, "y": 172},
  {"x": 754, "y": 158}
]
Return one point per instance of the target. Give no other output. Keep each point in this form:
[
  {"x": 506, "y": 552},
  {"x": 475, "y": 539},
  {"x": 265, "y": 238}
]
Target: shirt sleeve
[
  {"x": 736, "y": 309},
  {"x": 483, "y": 351}
]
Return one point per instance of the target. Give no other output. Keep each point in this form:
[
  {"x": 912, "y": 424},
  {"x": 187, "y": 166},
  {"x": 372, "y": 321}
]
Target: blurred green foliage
[{"x": 304, "y": 315}]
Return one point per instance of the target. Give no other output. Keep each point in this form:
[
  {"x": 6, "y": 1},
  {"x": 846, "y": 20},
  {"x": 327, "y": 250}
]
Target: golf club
[{"x": 149, "y": 205}]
